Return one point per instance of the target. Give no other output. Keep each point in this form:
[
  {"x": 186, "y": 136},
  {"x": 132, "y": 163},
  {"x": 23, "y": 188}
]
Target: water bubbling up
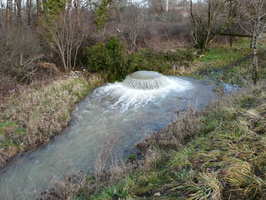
[
  {"x": 140, "y": 88},
  {"x": 145, "y": 80}
]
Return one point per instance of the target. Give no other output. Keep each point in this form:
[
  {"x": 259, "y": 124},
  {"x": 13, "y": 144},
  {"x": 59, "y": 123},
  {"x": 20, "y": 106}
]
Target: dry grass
[
  {"x": 33, "y": 116},
  {"x": 64, "y": 189},
  {"x": 7, "y": 86}
]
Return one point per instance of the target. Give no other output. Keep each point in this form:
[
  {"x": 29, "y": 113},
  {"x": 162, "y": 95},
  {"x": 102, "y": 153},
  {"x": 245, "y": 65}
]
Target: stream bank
[{"x": 35, "y": 114}]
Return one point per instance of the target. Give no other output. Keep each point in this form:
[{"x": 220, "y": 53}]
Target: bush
[
  {"x": 8, "y": 85},
  {"x": 150, "y": 59},
  {"x": 108, "y": 59}
]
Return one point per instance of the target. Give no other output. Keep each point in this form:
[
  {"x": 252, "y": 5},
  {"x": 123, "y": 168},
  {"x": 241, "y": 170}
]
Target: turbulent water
[
  {"x": 146, "y": 80},
  {"x": 114, "y": 117}
]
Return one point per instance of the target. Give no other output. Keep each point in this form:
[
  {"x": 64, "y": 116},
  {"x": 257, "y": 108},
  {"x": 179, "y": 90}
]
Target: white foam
[
  {"x": 145, "y": 80},
  {"x": 117, "y": 94}
]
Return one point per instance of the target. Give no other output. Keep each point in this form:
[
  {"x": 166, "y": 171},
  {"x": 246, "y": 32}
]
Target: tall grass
[{"x": 34, "y": 115}]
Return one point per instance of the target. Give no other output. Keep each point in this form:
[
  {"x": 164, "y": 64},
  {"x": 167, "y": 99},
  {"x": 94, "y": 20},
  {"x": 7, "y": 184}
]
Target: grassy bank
[
  {"x": 217, "y": 57},
  {"x": 34, "y": 115}
]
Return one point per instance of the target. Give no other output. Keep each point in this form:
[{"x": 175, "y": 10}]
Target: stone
[{"x": 158, "y": 194}]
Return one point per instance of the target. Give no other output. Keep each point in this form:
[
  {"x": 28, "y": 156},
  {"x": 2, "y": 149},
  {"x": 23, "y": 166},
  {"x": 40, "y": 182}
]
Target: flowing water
[{"x": 114, "y": 117}]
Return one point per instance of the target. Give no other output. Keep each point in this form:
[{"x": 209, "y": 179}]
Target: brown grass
[
  {"x": 33, "y": 116},
  {"x": 7, "y": 86}
]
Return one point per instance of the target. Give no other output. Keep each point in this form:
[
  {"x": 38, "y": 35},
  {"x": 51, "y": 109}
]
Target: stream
[{"x": 113, "y": 117}]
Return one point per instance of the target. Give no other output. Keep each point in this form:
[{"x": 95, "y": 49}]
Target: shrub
[
  {"x": 8, "y": 85},
  {"x": 108, "y": 59},
  {"x": 158, "y": 61},
  {"x": 148, "y": 60}
]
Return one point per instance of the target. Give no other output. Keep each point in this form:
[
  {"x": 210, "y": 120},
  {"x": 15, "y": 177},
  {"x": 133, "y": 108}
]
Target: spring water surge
[{"x": 114, "y": 117}]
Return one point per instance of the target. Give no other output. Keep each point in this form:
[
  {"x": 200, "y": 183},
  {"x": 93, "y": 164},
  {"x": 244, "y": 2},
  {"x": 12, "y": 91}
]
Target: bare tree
[
  {"x": 19, "y": 10},
  {"x": 77, "y": 4},
  {"x": 19, "y": 53},
  {"x": 136, "y": 23},
  {"x": 255, "y": 12},
  {"x": 2, "y": 13},
  {"x": 8, "y": 11},
  {"x": 38, "y": 17},
  {"x": 65, "y": 37},
  {"x": 211, "y": 18},
  {"x": 156, "y": 6}
]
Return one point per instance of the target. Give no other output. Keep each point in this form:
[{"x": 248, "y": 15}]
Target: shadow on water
[{"x": 114, "y": 117}]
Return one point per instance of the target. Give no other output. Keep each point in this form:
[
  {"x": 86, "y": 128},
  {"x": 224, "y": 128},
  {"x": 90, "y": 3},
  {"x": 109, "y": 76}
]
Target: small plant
[{"x": 131, "y": 158}]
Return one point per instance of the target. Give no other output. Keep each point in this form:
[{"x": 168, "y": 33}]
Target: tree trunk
[
  {"x": 194, "y": 26},
  {"x": 28, "y": 12},
  {"x": 38, "y": 20},
  {"x": 77, "y": 9},
  {"x": 8, "y": 11},
  {"x": 259, "y": 24},
  {"x": 255, "y": 62},
  {"x": 255, "y": 66},
  {"x": 18, "y": 4},
  {"x": 167, "y": 6}
]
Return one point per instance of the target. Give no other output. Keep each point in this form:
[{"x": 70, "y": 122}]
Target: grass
[
  {"x": 35, "y": 115},
  {"x": 228, "y": 65},
  {"x": 224, "y": 54},
  {"x": 216, "y": 58}
]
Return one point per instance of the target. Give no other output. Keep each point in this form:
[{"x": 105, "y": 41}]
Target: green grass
[
  {"x": 216, "y": 58},
  {"x": 225, "y": 54},
  {"x": 218, "y": 67}
]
